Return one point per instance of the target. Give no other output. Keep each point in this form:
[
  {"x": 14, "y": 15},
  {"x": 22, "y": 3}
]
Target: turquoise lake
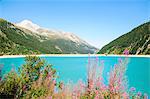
[{"x": 74, "y": 68}]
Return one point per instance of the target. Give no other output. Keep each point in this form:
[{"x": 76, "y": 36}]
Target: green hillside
[
  {"x": 16, "y": 40},
  {"x": 11, "y": 40},
  {"x": 136, "y": 41}
]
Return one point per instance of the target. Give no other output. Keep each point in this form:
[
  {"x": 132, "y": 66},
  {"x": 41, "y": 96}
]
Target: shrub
[
  {"x": 32, "y": 80},
  {"x": 35, "y": 79},
  {"x": 95, "y": 88}
]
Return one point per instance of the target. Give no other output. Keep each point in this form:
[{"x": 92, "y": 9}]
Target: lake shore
[{"x": 75, "y": 55}]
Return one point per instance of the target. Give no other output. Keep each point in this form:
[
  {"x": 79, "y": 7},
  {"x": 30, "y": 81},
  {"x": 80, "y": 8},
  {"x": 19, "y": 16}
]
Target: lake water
[{"x": 74, "y": 68}]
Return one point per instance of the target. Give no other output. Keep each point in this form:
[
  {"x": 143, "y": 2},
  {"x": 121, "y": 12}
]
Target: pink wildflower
[
  {"x": 126, "y": 52},
  {"x": 98, "y": 83},
  {"x": 132, "y": 89},
  {"x": 125, "y": 95},
  {"x": 102, "y": 61},
  {"x": 139, "y": 93},
  {"x": 97, "y": 58},
  {"x": 81, "y": 84},
  {"x": 24, "y": 87},
  {"x": 50, "y": 97},
  {"x": 54, "y": 82}
]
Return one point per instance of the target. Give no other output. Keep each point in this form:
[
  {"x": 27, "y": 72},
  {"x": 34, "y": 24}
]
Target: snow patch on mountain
[{"x": 27, "y": 24}]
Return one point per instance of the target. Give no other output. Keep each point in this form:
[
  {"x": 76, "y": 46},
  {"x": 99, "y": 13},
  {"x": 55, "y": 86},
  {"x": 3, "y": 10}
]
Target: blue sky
[{"x": 96, "y": 21}]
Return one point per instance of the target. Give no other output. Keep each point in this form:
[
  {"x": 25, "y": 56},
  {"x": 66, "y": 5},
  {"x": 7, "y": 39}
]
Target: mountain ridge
[
  {"x": 137, "y": 41},
  {"x": 27, "y": 24},
  {"x": 34, "y": 42}
]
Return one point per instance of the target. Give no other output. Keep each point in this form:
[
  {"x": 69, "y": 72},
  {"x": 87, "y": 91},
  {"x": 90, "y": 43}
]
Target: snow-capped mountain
[
  {"x": 26, "y": 38},
  {"x": 27, "y": 24}
]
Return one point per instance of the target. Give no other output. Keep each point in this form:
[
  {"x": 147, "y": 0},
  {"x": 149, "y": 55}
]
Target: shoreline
[{"x": 74, "y": 55}]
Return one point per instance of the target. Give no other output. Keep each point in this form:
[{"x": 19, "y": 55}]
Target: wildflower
[
  {"x": 132, "y": 89},
  {"x": 97, "y": 94},
  {"x": 50, "y": 97},
  {"x": 24, "y": 87},
  {"x": 54, "y": 82},
  {"x": 126, "y": 52},
  {"x": 96, "y": 58},
  {"x": 81, "y": 84},
  {"x": 125, "y": 95},
  {"x": 139, "y": 93},
  {"x": 90, "y": 84},
  {"x": 117, "y": 78}
]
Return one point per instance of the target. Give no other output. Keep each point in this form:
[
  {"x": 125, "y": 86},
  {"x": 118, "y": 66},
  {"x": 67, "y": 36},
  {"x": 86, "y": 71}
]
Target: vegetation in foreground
[{"x": 37, "y": 80}]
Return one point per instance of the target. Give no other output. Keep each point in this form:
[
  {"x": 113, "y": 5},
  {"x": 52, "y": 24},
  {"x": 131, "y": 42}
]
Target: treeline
[{"x": 136, "y": 41}]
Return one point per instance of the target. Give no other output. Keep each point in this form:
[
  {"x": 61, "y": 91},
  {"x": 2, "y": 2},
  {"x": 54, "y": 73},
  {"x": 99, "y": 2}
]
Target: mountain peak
[
  {"x": 43, "y": 40},
  {"x": 26, "y": 21},
  {"x": 28, "y": 25}
]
